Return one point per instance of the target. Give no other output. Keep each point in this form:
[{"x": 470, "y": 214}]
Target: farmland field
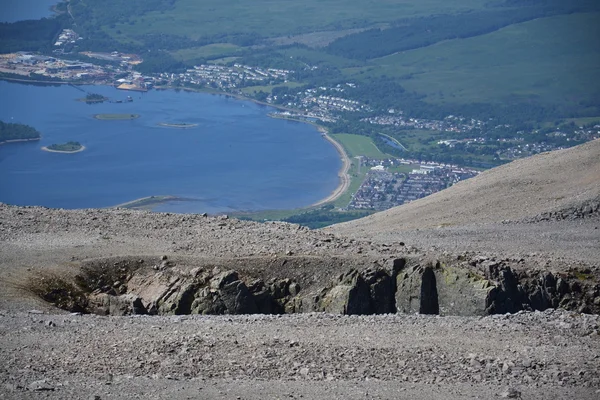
[{"x": 357, "y": 145}]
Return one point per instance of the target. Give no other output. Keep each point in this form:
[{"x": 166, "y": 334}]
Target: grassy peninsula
[
  {"x": 116, "y": 117},
  {"x": 69, "y": 147},
  {"x": 10, "y": 132}
]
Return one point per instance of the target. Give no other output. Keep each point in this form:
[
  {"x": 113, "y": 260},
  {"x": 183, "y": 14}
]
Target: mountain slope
[
  {"x": 530, "y": 207},
  {"x": 522, "y": 189}
]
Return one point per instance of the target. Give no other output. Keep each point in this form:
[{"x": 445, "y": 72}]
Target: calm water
[
  {"x": 237, "y": 158},
  {"x": 17, "y": 10}
]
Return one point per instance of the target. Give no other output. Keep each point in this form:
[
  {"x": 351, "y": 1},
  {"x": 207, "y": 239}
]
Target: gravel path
[{"x": 540, "y": 355}]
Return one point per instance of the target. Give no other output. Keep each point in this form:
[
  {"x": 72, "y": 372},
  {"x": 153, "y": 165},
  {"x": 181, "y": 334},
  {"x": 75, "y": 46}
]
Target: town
[{"x": 383, "y": 189}]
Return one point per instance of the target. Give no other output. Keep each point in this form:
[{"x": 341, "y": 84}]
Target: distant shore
[
  {"x": 19, "y": 140},
  {"x": 147, "y": 202},
  {"x": 343, "y": 174},
  {"x": 64, "y": 152}
]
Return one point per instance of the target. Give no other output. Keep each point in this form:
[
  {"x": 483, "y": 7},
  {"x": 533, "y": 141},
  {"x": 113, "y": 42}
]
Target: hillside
[
  {"x": 120, "y": 262},
  {"x": 524, "y": 189}
]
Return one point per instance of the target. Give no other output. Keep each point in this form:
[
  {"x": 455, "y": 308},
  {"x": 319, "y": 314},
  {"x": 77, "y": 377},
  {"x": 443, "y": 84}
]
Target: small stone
[
  {"x": 511, "y": 393},
  {"x": 164, "y": 258},
  {"x": 40, "y": 386}
]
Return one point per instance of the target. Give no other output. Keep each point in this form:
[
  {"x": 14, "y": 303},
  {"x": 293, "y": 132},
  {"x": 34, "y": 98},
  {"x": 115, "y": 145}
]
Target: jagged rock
[
  {"x": 351, "y": 295},
  {"x": 436, "y": 289},
  {"x": 408, "y": 290},
  {"x": 237, "y": 298},
  {"x": 508, "y": 296},
  {"x": 382, "y": 289},
  {"x": 106, "y": 304},
  {"x": 461, "y": 291},
  {"x": 207, "y": 301},
  {"x": 223, "y": 278}
]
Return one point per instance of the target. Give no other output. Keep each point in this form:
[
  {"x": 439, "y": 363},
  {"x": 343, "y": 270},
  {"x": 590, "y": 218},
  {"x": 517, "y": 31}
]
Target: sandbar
[
  {"x": 62, "y": 151},
  {"x": 116, "y": 117}
]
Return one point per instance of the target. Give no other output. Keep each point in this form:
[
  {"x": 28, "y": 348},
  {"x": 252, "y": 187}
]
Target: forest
[
  {"x": 32, "y": 35},
  {"x": 12, "y": 131},
  {"x": 408, "y": 34}
]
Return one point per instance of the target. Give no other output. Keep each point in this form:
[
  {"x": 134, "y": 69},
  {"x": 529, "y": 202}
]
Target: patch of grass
[
  {"x": 356, "y": 180},
  {"x": 252, "y": 90},
  {"x": 216, "y": 50},
  {"x": 358, "y": 145},
  {"x": 223, "y": 61},
  {"x": 584, "y": 121}
]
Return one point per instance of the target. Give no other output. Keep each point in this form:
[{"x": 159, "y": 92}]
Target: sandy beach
[
  {"x": 344, "y": 177},
  {"x": 63, "y": 152}
]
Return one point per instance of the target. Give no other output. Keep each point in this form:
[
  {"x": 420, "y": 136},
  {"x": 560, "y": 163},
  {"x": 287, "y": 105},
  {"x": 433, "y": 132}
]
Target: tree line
[
  {"x": 409, "y": 34},
  {"x": 12, "y": 131}
]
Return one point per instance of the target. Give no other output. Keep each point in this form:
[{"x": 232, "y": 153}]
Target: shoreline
[
  {"x": 344, "y": 184},
  {"x": 148, "y": 201},
  {"x": 63, "y": 152},
  {"x": 19, "y": 140},
  {"x": 343, "y": 175}
]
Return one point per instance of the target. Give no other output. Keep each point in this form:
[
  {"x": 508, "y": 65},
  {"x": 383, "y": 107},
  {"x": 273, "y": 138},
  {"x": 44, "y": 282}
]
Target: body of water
[
  {"x": 236, "y": 158},
  {"x": 18, "y": 10}
]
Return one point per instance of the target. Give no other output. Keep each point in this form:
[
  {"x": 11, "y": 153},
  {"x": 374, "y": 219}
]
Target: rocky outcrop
[
  {"x": 174, "y": 292},
  {"x": 106, "y": 304},
  {"x": 517, "y": 291},
  {"x": 443, "y": 290},
  {"x": 477, "y": 287}
]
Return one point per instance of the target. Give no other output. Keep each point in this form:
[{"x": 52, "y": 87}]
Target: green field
[
  {"x": 267, "y": 88},
  {"x": 550, "y": 60},
  {"x": 211, "y": 51},
  {"x": 357, "y": 145}
]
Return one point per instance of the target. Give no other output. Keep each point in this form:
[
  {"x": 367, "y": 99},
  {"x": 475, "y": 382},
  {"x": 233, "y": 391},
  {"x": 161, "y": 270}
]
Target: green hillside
[
  {"x": 550, "y": 60},
  {"x": 270, "y": 18}
]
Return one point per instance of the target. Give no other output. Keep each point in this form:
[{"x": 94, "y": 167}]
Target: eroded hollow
[{"x": 296, "y": 284}]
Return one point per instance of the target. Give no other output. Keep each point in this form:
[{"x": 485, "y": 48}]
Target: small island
[
  {"x": 93, "y": 98},
  {"x": 10, "y": 133},
  {"x": 69, "y": 147},
  {"x": 176, "y": 125},
  {"x": 116, "y": 117}
]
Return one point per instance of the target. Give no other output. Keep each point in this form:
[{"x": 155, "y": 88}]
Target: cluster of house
[
  {"x": 383, "y": 189},
  {"x": 449, "y": 124},
  {"x": 66, "y": 36},
  {"x": 229, "y": 77},
  {"x": 320, "y": 102}
]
